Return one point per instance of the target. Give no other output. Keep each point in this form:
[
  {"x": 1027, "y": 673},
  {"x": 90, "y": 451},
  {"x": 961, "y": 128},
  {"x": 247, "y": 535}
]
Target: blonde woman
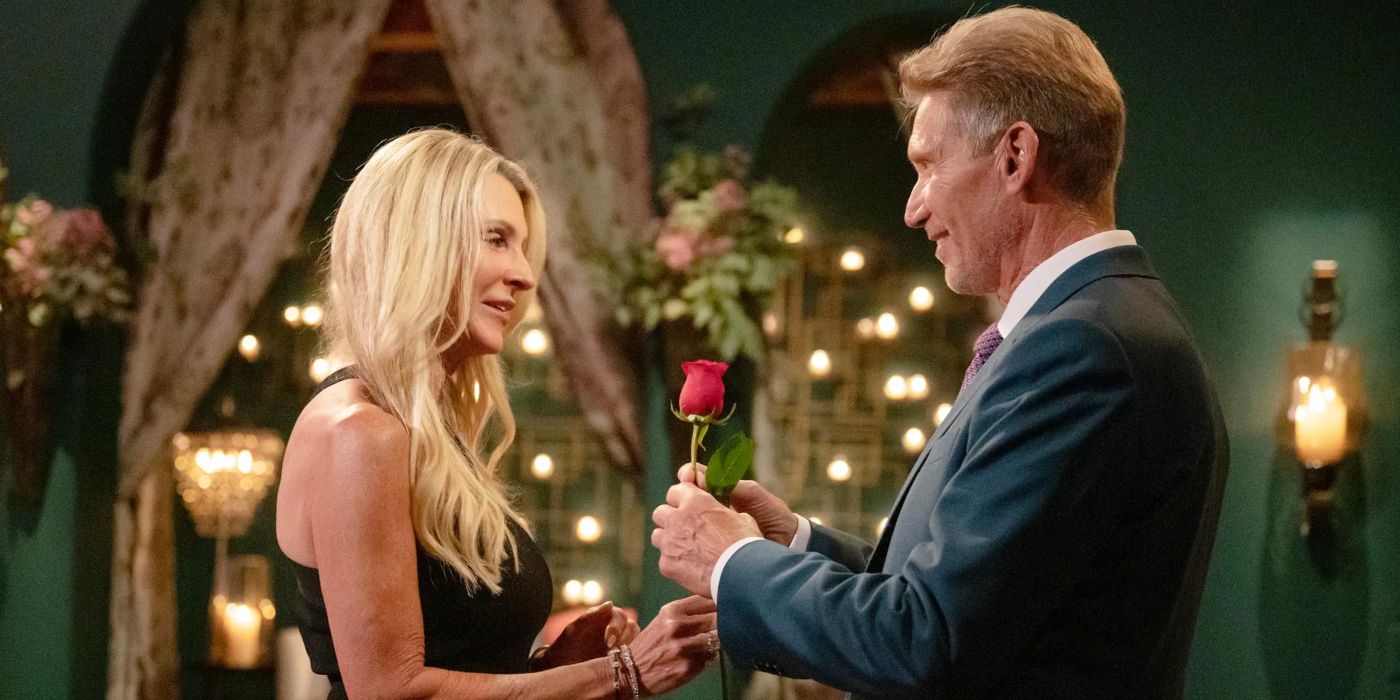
[{"x": 417, "y": 577}]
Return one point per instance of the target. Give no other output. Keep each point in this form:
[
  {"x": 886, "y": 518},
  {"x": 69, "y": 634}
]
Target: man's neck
[{"x": 1049, "y": 228}]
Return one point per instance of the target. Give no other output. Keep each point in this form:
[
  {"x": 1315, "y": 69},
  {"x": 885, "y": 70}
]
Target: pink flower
[
  {"x": 23, "y": 259},
  {"x": 730, "y": 196},
  {"x": 33, "y": 212},
  {"x": 86, "y": 235},
  {"x": 676, "y": 248}
]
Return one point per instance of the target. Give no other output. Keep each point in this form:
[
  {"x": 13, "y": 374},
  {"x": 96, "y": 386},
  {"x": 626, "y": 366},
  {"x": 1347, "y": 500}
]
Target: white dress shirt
[{"x": 1026, "y": 294}]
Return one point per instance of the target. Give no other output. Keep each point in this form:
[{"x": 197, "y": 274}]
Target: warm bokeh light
[
  {"x": 320, "y": 369},
  {"x": 941, "y": 413},
  {"x": 534, "y": 342},
  {"x": 918, "y": 387},
  {"x": 865, "y": 328},
  {"x": 573, "y": 591},
  {"x": 815, "y": 519},
  {"x": 795, "y": 235},
  {"x": 542, "y": 466},
  {"x": 896, "y": 388},
  {"x": 819, "y": 364},
  {"x": 920, "y": 299},
  {"x": 592, "y": 593},
  {"x": 249, "y": 347},
  {"x": 887, "y": 326},
  {"x": 913, "y": 440},
  {"x": 880, "y": 526},
  {"x": 312, "y": 315},
  {"x": 839, "y": 469},
  {"x": 588, "y": 529},
  {"x": 292, "y": 315},
  {"x": 771, "y": 325},
  {"x": 852, "y": 260}
]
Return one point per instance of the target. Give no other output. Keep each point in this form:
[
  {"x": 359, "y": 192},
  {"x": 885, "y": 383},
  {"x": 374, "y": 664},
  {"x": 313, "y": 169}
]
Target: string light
[
  {"x": 534, "y": 342},
  {"x": 887, "y": 326},
  {"x": 913, "y": 440},
  {"x": 588, "y": 529},
  {"x": 249, "y": 347},
  {"x": 542, "y": 466},
  {"x": 896, "y": 388},
  {"x": 819, "y": 365},
  {"x": 592, "y": 593},
  {"x": 839, "y": 469},
  {"x": 794, "y": 235},
  {"x": 312, "y": 314},
  {"x": 320, "y": 369},
  {"x": 918, "y": 387},
  {"x": 852, "y": 260},
  {"x": 292, "y": 315},
  {"x": 572, "y": 591},
  {"x": 920, "y": 299},
  {"x": 865, "y": 328},
  {"x": 941, "y": 413}
]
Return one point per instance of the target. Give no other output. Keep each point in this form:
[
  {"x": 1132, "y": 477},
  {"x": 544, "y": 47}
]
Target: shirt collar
[{"x": 1029, "y": 290}]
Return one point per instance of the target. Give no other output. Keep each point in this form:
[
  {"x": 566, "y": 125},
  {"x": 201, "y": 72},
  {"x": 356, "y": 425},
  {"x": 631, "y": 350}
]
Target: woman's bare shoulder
[{"x": 344, "y": 455}]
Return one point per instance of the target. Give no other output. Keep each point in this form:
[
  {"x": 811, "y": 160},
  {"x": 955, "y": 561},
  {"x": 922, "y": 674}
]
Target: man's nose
[{"x": 914, "y": 212}]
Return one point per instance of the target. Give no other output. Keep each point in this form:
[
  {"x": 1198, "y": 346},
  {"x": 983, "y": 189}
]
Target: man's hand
[
  {"x": 773, "y": 516},
  {"x": 693, "y": 529}
]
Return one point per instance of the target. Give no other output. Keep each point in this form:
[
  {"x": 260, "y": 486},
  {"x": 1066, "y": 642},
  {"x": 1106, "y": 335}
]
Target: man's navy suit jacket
[{"x": 1051, "y": 540}]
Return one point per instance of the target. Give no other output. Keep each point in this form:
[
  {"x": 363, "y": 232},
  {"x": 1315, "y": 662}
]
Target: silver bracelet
[
  {"x": 613, "y": 655},
  {"x": 631, "y": 671}
]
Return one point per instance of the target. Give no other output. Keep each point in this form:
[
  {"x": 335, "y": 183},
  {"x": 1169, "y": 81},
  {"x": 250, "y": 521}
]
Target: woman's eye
[{"x": 495, "y": 239}]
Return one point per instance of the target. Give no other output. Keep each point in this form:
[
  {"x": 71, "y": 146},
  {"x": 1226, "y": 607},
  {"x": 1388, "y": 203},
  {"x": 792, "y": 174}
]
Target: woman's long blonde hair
[{"x": 403, "y": 249}]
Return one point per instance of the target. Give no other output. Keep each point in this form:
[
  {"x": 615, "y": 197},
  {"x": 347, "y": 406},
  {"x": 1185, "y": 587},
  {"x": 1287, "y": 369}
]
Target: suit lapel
[{"x": 1118, "y": 261}]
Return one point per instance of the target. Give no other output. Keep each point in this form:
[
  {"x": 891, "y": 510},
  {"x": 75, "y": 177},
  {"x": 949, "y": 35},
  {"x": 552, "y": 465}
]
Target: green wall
[{"x": 1260, "y": 137}]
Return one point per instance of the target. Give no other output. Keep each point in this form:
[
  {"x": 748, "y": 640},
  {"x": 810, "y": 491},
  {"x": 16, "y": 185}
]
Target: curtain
[
  {"x": 233, "y": 142},
  {"x": 555, "y": 86}
]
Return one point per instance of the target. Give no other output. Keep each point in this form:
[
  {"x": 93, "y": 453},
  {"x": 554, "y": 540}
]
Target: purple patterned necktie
[{"x": 986, "y": 344}]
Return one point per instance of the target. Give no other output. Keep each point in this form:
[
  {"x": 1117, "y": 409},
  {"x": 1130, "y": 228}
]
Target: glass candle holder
[{"x": 241, "y": 614}]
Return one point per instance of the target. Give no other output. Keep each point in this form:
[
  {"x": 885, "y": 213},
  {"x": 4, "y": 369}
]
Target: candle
[
  {"x": 1320, "y": 425},
  {"x": 242, "y": 635}
]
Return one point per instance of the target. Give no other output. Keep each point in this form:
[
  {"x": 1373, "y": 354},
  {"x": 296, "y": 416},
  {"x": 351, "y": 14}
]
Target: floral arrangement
[
  {"x": 59, "y": 264},
  {"x": 714, "y": 258}
]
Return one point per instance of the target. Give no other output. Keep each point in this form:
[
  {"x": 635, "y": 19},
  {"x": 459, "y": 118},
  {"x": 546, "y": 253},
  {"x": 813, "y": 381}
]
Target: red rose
[{"x": 703, "y": 392}]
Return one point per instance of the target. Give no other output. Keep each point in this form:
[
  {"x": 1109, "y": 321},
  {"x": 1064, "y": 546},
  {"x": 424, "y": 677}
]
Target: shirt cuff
[
  {"x": 723, "y": 558},
  {"x": 803, "y": 536}
]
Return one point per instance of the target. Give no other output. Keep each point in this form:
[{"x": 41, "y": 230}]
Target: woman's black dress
[{"x": 478, "y": 632}]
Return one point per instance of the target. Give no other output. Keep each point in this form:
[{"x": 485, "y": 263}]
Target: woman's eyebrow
[{"x": 502, "y": 224}]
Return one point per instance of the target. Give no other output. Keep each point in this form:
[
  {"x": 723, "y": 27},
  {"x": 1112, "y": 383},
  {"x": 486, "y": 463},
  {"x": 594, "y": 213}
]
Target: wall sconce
[
  {"x": 1325, "y": 404},
  {"x": 222, "y": 477}
]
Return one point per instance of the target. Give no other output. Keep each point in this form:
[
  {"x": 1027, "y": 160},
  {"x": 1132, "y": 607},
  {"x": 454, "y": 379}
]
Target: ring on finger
[{"x": 712, "y": 643}]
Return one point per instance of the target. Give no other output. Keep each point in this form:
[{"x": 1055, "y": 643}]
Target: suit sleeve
[
  {"x": 847, "y": 550},
  {"x": 1021, "y": 515}
]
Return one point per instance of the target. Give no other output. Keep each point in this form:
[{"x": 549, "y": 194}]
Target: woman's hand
[
  {"x": 676, "y": 646},
  {"x": 589, "y": 636}
]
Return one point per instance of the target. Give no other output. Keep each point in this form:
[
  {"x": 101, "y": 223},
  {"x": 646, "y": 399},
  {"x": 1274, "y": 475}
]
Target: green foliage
[{"x": 714, "y": 258}]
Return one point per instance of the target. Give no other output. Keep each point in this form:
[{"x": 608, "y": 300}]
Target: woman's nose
[{"x": 519, "y": 275}]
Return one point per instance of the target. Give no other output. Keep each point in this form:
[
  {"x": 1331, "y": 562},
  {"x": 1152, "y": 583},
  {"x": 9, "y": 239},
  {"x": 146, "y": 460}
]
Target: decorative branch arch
[{"x": 236, "y": 133}]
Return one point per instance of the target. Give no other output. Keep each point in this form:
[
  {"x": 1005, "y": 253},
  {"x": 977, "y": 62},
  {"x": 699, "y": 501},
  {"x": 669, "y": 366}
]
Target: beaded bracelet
[
  {"x": 613, "y": 655},
  {"x": 631, "y": 671}
]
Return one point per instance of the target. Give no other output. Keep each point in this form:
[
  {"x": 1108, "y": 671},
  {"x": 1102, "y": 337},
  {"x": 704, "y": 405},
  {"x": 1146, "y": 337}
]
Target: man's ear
[{"x": 1016, "y": 157}]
